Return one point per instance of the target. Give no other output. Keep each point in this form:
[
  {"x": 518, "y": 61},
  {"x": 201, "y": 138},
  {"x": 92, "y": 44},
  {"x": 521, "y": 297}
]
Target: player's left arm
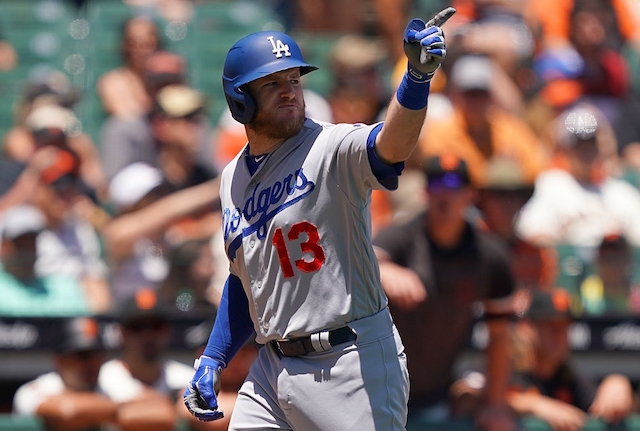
[
  {"x": 425, "y": 48},
  {"x": 231, "y": 330}
]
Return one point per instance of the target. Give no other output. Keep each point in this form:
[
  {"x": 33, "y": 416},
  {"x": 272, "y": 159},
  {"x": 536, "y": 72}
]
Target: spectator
[
  {"x": 605, "y": 73},
  {"x": 479, "y": 129},
  {"x": 51, "y": 87},
  {"x": 70, "y": 245},
  {"x": 24, "y": 293},
  {"x": 554, "y": 18},
  {"x": 142, "y": 374},
  {"x": 122, "y": 91},
  {"x": 580, "y": 202},
  {"x": 136, "y": 139},
  {"x": 47, "y": 120},
  {"x": 18, "y": 180},
  {"x": 610, "y": 287},
  {"x": 358, "y": 94},
  {"x": 500, "y": 200},
  {"x": 151, "y": 219},
  {"x": 434, "y": 268},
  {"x": 70, "y": 398},
  {"x": 547, "y": 385},
  {"x": 177, "y": 124},
  {"x": 504, "y": 26}
]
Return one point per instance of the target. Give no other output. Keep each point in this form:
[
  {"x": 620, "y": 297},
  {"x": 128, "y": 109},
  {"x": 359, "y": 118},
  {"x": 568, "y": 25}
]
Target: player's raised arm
[{"x": 425, "y": 48}]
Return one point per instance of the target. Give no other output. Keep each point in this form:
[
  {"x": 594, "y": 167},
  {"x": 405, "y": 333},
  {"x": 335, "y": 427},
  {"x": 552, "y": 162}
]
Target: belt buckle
[
  {"x": 320, "y": 341},
  {"x": 294, "y": 347}
]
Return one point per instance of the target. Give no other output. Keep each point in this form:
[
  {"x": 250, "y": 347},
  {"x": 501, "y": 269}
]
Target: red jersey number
[{"x": 310, "y": 246}]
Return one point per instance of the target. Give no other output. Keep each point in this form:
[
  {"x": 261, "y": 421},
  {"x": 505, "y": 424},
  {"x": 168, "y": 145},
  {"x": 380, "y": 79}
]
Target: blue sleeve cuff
[
  {"x": 233, "y": 326},
  {"x": 411, "y": 94},
  {"x": 386, "y": 174}
]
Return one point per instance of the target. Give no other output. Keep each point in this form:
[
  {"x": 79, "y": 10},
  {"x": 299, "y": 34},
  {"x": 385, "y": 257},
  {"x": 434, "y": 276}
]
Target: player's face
[{"x": 280, "y": 102}]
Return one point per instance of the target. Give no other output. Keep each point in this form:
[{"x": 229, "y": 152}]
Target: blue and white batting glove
[
  {"x": 200, "y": 397},
  {"x": 424, "y": 46}
]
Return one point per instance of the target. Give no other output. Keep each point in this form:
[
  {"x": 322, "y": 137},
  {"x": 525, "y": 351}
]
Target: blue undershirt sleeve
[
  {"x": 386, "y": 174},
  {"x": 233, "y": 326}
]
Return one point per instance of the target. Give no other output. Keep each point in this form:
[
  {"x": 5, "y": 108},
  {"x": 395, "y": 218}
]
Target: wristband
[{"x": 411, "y": 93}]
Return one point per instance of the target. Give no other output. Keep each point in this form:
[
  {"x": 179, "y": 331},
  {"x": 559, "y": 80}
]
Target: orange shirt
[
  {"x": 511, "y": 138},
  {"x": 555, "y": 16}
]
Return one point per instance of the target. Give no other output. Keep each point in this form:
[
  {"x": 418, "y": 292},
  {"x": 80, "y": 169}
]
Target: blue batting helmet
[{"x": 253, "y": 57}]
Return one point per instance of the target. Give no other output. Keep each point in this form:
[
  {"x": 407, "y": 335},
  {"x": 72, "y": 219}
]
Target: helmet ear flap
[{"x": 242, "y": 107}]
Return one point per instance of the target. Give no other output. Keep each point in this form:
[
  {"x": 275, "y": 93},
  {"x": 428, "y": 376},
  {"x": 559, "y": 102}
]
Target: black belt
[{"x": 315, "y": 343}]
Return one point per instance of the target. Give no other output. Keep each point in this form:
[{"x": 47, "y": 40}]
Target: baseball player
[{"x": 303, "y": 275}]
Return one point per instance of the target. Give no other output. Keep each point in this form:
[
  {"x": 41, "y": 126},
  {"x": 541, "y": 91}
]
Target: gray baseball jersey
[{"x": 297, "y": 232}]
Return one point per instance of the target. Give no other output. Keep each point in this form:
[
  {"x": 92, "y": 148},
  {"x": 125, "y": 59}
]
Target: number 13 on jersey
[{"x": 310, "y": 248}]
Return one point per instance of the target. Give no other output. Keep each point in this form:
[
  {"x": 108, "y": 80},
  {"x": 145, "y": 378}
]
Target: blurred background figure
[
  {"x": 554, "y": 21},
  {"x": 151, "y": 219},
  {"x": 479, "y": 129},
  {"x": 435, "y": 270},
  {"x": 176, "y": 117},
  {"x": 45, "y": 118},
  {"x": 69, "y": 397},
  {"x": 188, "y": 285},
  {"x": 70, "y": 246},
  {"x": 123, "y": 91},
  {"x": 546, "y": 383},
  {"x": 610, "y": 286},
  {"x": 51, "y": 87},
  {"x": 178, "y": 125},
  {"x": 24, "y": 292},
  {"x": 500, "y": 200},
  {"x": 358, "y": 91},
  {"x": 580, "y": 202},
  {"x": 141, "y": 374}
]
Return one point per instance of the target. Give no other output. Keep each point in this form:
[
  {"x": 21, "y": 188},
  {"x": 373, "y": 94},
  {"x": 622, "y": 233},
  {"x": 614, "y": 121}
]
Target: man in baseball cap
[
  {"x": 24, "y": 292},
  {"x": 434, "y": 268},
  {"x": 446, "y": 171},
  {"x": 69, "y": 397},
  {"x": 547, "y": 385}
]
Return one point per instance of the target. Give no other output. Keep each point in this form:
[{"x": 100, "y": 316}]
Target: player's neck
[{"x": 260, "y": 144}]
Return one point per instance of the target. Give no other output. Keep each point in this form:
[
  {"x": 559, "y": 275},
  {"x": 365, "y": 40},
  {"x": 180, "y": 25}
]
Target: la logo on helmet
[{"x": 279, "y": 48}]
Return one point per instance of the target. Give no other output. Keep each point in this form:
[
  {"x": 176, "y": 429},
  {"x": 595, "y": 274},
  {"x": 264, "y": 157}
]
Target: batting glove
[
  {"x": 424, "y": 46},
  {"x": 200, "y": 397}
]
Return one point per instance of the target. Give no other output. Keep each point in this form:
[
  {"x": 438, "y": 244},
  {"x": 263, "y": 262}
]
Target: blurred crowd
[{"x": 520, "y": 204}]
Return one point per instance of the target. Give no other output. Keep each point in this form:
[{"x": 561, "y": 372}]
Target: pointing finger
[{"x": 442, "y": 17}]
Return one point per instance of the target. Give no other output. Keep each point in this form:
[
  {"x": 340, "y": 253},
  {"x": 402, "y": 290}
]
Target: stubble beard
[{"x": 267, "y": 124}]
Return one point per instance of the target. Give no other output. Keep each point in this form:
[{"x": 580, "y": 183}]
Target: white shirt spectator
[
  {"x": 120, "y": 386},
  {"x": 563, "y": 211},
  {"x": 29, "y": 396},
  {"x": 72, "y": 249}
]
